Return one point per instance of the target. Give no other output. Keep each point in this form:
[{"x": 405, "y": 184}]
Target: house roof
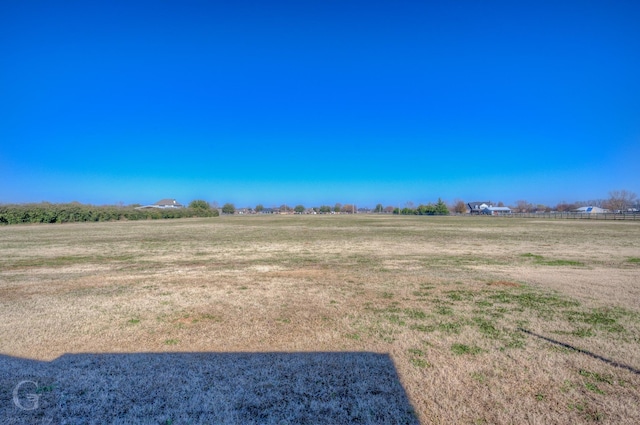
[
  {"x": 168, "y": 202},
  {"x": 477, "y": 204},
  {"x": 591, "y": 209}
]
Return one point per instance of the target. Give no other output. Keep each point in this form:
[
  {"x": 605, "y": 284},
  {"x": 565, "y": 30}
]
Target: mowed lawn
[{"x": 486, "y": 319}]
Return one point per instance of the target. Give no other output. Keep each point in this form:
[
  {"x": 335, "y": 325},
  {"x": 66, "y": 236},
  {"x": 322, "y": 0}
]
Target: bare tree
[
  {"x": 564, "y": 206},
  {"x": 620, "y": 200},
  {"x": 523, "y": 206},
  {"x": 594, "y": 203},
  {"x": 459, "y": 207},
  {"x": 348, "y": 208}
]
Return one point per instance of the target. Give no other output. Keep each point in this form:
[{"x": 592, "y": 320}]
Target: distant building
[
  {"x": 168, "y": 203},
  {"x": 591, "y": 210},
  {"x": 485, "y": 207},
  {"x": 163, "y": 204},
  {"x": 497, "y": 211},
  {"x": 478, "y": 206}
]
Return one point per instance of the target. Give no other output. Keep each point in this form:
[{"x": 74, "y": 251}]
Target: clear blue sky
[{"x": 318, "y": 102}]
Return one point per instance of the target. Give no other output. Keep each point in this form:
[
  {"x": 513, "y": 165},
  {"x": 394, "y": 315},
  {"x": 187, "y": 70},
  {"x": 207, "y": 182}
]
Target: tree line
[
  {"x": 439, "y": 208},
  {"x": 45, "y": 212},
  {"x": 618, "y": 201}
]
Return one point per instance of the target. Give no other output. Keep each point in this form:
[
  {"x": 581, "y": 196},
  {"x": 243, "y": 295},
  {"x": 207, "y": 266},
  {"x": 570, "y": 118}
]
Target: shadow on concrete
[
  {"x": 195, "y": 388},
  {"x": 580, "y": 350}
]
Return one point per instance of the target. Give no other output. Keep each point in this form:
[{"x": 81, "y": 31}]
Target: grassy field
[{"x": 487, "y": 320}]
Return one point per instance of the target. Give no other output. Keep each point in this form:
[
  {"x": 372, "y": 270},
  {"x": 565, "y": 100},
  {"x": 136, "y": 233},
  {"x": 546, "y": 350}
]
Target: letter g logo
[{"x": 32, "y": 398}]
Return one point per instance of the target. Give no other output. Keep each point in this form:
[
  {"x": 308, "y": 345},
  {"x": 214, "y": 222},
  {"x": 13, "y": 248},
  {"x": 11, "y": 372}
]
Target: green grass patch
[
  {"x": 605, "y": 319},
  {"x": 424, "y": 290},
  {"x": 596, "y": 376},
  {"x": 583, "y": 332},
  {"x": 65, "y": 260},
  {"x": 547, "y": 303},
  {"x": 444, "y": 310},
  {"x": 593, "y": 378},
  {"x": 460, "y": 295},
  {"x": 539, "y": 259},
  {"x": 530, "y": 255},
  {"x": 418, "y": 362},
  {"x": 396, "y": 320},
  {"x": 562, "y": 263},
  {"x": 486, "y": 327},
  {"x": 208, "y": 316},
  {"x": 417, "y": 359},
  {"x": 415, "y": 314},
  {"x": 515, "y": 339},
  {"x": 423, "y": 328},
  {"x": 454, "y": 297},
  {"x": 45, "y": 389},
  {"x": 589, "y": 413},
  {"x": 480, "y": 377},
  {"x": 633, "y": 260},
  {"x": 461, "y": 349},
  {"x": 593, "y": 387},
  {"x": 450, "y": 327},
  {"x": 416, "y": 351}
]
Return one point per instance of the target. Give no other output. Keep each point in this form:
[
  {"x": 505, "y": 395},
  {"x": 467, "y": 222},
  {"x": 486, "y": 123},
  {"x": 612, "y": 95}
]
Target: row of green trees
[
  {"x": 75, "y": 212},
  {"x": 439, "y": 208}
]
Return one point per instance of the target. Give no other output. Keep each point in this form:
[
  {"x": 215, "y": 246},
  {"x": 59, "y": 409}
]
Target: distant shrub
[
  {"x": 199, "y": 204},
  {"x": 228, "y": 208},
  {"x": 75, "y": 212}
]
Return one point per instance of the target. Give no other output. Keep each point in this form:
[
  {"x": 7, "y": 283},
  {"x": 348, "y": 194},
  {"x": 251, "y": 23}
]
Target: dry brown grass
[{"x": 448, "y": 298}]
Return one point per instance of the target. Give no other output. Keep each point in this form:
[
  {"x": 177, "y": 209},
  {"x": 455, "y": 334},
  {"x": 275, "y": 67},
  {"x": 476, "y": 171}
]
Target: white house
[
  {"x": 163, "y": 204},
  {"x": 496, "y": 210},
  {"x": 592, "y": 210},
  {"x": 478, "y": 206}
]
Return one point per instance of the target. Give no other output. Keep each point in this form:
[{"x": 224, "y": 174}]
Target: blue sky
[{"x": 318, "y": 102}]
